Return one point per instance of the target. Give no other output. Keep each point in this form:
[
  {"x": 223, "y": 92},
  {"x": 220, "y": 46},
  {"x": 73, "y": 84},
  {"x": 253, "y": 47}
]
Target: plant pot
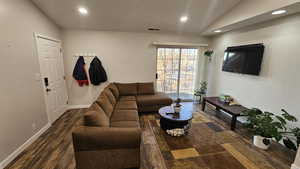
[{"x": 262, "y": 142}]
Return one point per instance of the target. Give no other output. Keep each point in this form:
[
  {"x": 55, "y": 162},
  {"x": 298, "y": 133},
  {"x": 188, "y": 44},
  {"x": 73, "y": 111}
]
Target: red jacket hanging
[{"x": 79, "y": 72}]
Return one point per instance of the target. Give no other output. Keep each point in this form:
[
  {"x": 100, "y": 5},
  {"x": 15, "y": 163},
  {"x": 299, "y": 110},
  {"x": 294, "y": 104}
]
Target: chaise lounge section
[{"x": 111, "y": 127}]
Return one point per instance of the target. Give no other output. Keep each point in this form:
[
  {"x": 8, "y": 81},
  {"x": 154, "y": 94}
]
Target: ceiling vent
[{"x": 153, "y": 29}]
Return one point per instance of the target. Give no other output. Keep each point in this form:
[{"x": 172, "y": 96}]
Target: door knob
[{"x": 48, "y": 90}]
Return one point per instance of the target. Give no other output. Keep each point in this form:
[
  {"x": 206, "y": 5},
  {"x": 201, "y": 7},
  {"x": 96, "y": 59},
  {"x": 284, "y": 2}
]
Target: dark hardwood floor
[{"x": 54, "y": 150}]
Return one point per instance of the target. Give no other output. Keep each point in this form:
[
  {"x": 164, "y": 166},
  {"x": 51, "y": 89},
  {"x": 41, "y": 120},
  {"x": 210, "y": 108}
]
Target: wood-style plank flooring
[{"x": 54, "y": 150}]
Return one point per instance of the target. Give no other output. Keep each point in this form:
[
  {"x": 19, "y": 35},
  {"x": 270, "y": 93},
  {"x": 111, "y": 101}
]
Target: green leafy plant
[
  {"x": 291, "y": 139},
  {"x": 269, "y": 125},
  {"x": 209, "y": 54},
  {"x": 202, "y": 90}
]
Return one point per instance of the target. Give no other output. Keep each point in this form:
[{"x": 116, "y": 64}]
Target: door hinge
[
  {"x": 64, "y": 77},
  {"x": 156, "y": 75},
  {"x": 67, "y": 101}
]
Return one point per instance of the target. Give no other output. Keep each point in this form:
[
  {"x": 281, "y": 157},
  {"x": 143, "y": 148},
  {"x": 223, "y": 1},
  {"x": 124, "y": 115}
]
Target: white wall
[
  {"x": 127, "y": 57},
  {"x": 21, "y": 96},
  {"x": 247, "y": 9},
  {"x": 278, "y": 86}
]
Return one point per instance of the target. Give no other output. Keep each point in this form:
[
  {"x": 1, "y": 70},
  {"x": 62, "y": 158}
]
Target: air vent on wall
[{"x": 153, "y": 29}]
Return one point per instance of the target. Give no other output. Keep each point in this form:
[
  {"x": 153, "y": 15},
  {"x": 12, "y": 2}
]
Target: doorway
[
  {"x": 53, "y": 76},
  {"x": 177, "y": 72}
]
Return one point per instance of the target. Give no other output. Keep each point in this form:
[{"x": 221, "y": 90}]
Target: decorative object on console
[
  {"x": 226, "y": 98},
  {"x": 266, "y": 126},
  {"x": 234, "y": 103},
  {"x": 209, "y": 54}
]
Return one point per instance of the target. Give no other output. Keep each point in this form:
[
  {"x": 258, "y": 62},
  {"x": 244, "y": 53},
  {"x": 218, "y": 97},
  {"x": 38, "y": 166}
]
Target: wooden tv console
[{"x": 234, "y": 110}]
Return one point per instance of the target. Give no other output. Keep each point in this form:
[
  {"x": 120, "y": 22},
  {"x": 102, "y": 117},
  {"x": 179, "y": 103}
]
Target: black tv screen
[{"x": 244, "y": 59}]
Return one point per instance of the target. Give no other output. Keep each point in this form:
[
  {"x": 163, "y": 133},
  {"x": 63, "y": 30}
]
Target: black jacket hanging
[
  {"x": 79, "y": 72},
  {"x": 97, "y": 72}
]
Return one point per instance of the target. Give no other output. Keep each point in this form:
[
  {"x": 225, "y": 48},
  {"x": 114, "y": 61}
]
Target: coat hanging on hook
[
  {"x": 97, "y": 72},
  {"x": 79, "y": 72}
]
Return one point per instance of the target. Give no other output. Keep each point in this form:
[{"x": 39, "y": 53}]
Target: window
[{"x": 176, "y": 72}]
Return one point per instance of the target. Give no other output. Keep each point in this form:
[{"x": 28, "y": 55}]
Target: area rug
[{"x": 209, "y": 146}]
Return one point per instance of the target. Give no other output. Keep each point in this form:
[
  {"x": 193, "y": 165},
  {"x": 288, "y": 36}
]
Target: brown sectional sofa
[{"x": 111, "y": 135}]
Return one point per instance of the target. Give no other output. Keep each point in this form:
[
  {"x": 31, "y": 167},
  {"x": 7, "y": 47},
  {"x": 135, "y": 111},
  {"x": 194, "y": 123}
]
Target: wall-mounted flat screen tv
[{"x": 245, "y": 59}]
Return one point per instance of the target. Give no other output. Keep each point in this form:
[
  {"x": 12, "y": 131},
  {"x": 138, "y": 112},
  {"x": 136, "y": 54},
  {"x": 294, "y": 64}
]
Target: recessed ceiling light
[
  {"x": 82, "y": 10},
  {"x": 217, "y": 31},
  {"x": 184, "y": 18},
  {"x": 278, "y": 12}
]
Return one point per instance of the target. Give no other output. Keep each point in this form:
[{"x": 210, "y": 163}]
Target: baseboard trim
[
  {"x": 78, "y": 106},
  {"x": 14, "y": 154},
  {"x": 294, "y": 166}
]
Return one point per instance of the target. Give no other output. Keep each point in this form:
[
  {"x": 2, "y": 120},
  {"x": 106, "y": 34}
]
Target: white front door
[{"x": 53, "y": 76}]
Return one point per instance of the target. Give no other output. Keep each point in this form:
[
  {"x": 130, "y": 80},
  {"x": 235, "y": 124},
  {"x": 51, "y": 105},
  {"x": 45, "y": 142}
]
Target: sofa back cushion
[
  {"x": 114, "y": 89},
  {"x": 95, "y": 116},
  {"x": 105, "y": 104},
  {"x": 145, "y": 88},
  {"x": 95, "y": 107},
  {"x": 110, "y": 96},
  {"x": 127, "y": 89}
]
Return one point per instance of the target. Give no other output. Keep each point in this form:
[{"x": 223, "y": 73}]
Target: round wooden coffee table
[{"x": 170, "y": 121}]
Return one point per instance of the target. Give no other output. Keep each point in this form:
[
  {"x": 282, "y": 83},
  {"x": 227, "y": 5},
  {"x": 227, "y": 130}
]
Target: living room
[{"x": 155, "y": 57}]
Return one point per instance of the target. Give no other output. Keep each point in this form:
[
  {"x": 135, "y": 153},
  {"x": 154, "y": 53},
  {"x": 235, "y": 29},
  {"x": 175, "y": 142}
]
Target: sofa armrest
[{"x": 100, "y": 138}]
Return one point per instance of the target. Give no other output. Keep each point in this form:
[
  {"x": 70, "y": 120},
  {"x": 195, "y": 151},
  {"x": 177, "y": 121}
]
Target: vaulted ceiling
[{"x": 136, "y": 15}]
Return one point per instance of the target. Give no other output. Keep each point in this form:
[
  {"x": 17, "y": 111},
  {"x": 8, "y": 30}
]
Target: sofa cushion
[
  {"x": 114, "y": 90},
  {"x": 124, "y": 115},
  {"x": 151, "y": 100},
  {"x": 127, "y": 98},
  {"x": 124, "y": 124},
  {"x": 95, "y": 107},
  {"x": 127, "y": 89},
  {"x": 105, "y": 139},
  {"x": 126, "y": 105},
  {"x": 110, "y": 96},
  {"x": 96, "y": 118},
  {"x": 145, "y": 88},
  {"x": 105, "y": 104}
]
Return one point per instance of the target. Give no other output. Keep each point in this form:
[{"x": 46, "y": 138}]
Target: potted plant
[
  {"x": 267, "y": 126},
  {"x": 209, "y": 54},
  {"x": 291, "y": 138},
  {"x": 202, "y": 90}
]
